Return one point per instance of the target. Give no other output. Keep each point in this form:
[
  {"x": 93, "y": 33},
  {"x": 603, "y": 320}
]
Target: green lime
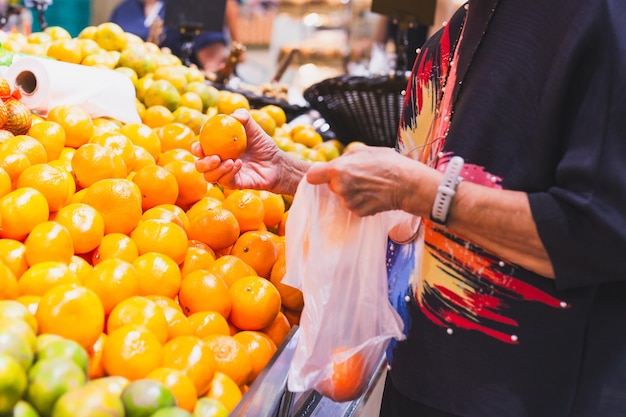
[
  {"x": 16, "y": 346},
  {"x": 16, "y": 310},
  {"x": 143, "y": 397},
  {"x": 65, "y": 348},
  {"x": 45, "y": 339},
  {"x": 88, "y": 401},
  {"x": 24, "y": 409},
  {"x": 50, "y": 379},
  {"x": 171, "y": 412},
  {"x": 209, "y": 407},
  {"x": 19, "y": 327},
  {"x": 13, "y": 382},
  {"x": 162, "y": 92}
]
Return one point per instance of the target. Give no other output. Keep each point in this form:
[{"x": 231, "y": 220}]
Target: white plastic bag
[{"x": 337, "y": 259}]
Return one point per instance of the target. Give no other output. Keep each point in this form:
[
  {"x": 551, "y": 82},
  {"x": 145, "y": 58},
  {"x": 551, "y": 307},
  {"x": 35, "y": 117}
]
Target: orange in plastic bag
[{"x": 338, "y": 260}]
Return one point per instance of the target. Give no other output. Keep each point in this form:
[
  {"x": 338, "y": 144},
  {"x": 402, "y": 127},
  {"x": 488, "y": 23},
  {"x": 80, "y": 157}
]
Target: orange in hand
[{"x": 223, "y": 135}]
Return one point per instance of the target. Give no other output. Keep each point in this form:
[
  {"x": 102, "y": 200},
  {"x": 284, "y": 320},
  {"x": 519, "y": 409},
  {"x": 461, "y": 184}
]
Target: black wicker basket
[{"x": 360, "y": 108}]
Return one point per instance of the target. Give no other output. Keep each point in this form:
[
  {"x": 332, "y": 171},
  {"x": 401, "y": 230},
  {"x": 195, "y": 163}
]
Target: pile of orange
[{"x": 111, "y": 238}]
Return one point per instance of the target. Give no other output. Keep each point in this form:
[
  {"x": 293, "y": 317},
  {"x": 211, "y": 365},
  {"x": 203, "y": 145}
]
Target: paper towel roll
[{"x": 45, "y": 83}]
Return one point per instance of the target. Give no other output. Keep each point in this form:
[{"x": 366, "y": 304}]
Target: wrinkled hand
[
  {"x": 367, "y": 179},
  {"x": 258, "y": 168}
]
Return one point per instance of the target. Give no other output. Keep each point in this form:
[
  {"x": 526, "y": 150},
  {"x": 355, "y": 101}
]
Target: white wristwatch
[{"x": 447, "y": 190}]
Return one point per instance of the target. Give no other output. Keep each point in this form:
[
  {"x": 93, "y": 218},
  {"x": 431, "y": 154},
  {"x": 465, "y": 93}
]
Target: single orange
[
  {"x": 96, "y": 369},
  {"x": 76, "y": 123},
  {"x": 51, "y": 135},
  {"x": 28, "y": 145},
  {"x": 117, "y": 246},
  {"x": 217, "y": 227},
  {"x": 56, "y": 184},
  {"x": 191, "y": 183},
  {"x": 192, "y": 356},
  {"x": 71, "y": 311},
  {"x": 247, "y": 208},
  {"x": 49, "y": 241},
  {"x": 179, "y": 384},
  {"x": 291, "y": 297},
  {"x": 157, "y": 116},
  {"x": 307, "y": 136},
  {"x": 168, "y": 213},
  {"x": 202, "y": 291},
  {"x": 144, "y": 136},
  {"x": 231, "y": 268},
  {"x": 141, "y": 158},
  {"x": 260, "y": 348},
  {"x": 224, "y": 136},
  {"x": 85, "y": 224},
  {"x": 158, "y": 274},
  {"x": 138, "y": 311},
  {"x": 43, "y": 276},
  {"x": 348, "y": 378},
  {"x": 21, "y": 210},
  {"x": 205, "y": 323},
  {"x": 132, "y": 352},
  {"x": 258, "y": 249},
  {"x": 93, "y": 162},
  {"x": 175, "y": 135},
  {"x": 118, "y": 143},
  {"x": 13, "y": 255},
  {"x": 197, "y": 258},
  {"x": 66, "y": 50},
  {"x": 214, "y": 191},
  {"x": 119, "y": 202},
  {"x": 273, "y": 208},
  {"x": 264, "y": 120},
  {"x": 224, "y": 390},
  {"x": 255, "y": 303},
  {"x": 157, "y": 185},
  {"x": 113, "y": 280},
  {"x": 231, "y": 357},
  {"x": 166, "y": 238}
]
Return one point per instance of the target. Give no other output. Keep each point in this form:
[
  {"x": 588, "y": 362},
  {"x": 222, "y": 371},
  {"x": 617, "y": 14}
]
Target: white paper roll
[{"x": 45, "y": 83}]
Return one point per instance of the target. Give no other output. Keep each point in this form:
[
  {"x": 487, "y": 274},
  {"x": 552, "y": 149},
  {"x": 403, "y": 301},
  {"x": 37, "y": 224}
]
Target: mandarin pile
[
  {"x": 112, "y": 243},
  {"x": 134, "y": 259}
]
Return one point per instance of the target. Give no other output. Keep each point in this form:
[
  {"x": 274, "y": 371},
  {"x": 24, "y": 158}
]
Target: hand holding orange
[{"x": 223, "y": 135}]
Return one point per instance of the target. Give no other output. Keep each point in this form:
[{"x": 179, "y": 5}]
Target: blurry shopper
[{"x": 210, "y": 51}]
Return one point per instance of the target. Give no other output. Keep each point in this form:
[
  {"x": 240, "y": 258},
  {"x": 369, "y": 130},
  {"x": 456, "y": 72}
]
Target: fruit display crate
[{"x": 268, "y": 396}]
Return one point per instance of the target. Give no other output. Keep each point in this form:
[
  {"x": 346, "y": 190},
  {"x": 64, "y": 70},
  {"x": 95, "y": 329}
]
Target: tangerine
[
  {"x": 71, "y": 311},
  {"x": 224, "y": 136},
  {"x": 194, "y": 357},
  {"x": 202, "y": 291},
  {"x": 255, "y": 303},
  {"x": 76, "y": 122},
  {"x": 132, "y": 351},
  {"x": 163, "y": 237},
  {"x": 85, "y": 225},
  {"x": 113, "y": 280},
  {"x": 231, "y": 357}
]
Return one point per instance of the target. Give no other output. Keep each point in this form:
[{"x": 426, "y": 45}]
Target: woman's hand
[
  {"x": 263, "y": 166},
  {"x": 372, "y": 179}
]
